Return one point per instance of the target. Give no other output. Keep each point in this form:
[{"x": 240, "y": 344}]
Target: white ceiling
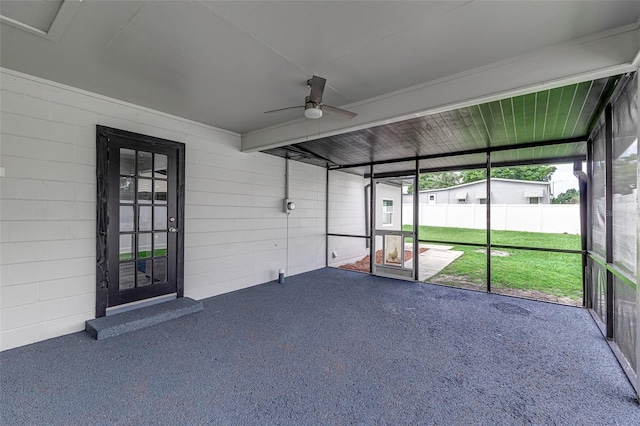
[{"x": 225, "y": 63}]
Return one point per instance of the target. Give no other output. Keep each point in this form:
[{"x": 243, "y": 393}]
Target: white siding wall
[
  {"x": 502, "y": 192},
  {"x": 236, "y": 232},
  {"x": 346, "y": 216}
]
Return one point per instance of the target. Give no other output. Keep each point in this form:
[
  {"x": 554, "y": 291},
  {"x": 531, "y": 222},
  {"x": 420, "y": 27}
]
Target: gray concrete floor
[{"x": 331, "y": 347}]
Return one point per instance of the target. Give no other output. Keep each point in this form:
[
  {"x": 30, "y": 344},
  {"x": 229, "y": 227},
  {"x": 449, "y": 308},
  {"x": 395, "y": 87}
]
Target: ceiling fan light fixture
[
  {"x": 313, "y": 106},
  {"x": 313, "y": 112}
]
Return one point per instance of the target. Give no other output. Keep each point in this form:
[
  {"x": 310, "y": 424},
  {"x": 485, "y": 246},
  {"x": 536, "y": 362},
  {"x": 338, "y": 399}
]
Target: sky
[{"x": 563, "y": 179}]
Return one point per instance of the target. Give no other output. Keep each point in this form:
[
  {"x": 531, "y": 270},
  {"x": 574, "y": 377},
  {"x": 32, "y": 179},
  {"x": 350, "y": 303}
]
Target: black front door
[{"x": 140, "y": 215}]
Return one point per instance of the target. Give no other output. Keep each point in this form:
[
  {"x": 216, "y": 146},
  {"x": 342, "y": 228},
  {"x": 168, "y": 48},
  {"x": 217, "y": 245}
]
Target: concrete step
[{"x": 115, "y": 325}]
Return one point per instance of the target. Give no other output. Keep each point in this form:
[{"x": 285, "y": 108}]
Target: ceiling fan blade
[
  {"x": 317, "y": 89},
  {"x": 283, "y": 109},
  {"x": 338, "y": 111}
]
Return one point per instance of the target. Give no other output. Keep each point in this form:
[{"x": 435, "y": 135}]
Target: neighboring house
[{"x": 503, "y": 191}]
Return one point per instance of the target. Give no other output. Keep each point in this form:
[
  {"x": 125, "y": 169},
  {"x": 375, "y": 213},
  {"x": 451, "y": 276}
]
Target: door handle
[{"x": 172, "y": 229}]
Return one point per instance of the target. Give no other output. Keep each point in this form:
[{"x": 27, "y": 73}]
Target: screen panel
[
  {"x": 625, "y": 180},
  {"x": 624, "y": 318},
  {"x": 598, "y": 208}
]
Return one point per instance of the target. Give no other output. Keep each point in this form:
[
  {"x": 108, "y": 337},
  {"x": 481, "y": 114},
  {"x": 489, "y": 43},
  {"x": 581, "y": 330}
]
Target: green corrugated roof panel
[{"x": 549, "y": 115}]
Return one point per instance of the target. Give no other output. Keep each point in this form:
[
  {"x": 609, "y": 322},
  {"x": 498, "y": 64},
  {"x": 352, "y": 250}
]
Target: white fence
[{"x": 545, "y": 218}]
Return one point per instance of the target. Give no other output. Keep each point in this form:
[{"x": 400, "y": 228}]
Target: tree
[
  {"x": 437, "y": 180},
  {"x": 447, "y": 179},
  {"x": 473, "y": 175},
  {"x": 570, "y": 196},
  {"x": 532, "y": 173}
]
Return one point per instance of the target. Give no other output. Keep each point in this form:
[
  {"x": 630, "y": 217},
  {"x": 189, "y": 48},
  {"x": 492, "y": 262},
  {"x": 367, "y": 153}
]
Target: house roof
[{"x": 465, "y": 185}]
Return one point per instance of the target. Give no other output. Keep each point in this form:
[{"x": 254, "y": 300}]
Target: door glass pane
[
  {"x": 127, "y": 162},
  {"x": 126, "y": 247},
  {"x": 160, "y": 166},
  {"x": 145, "y": 160},
  {"x": 160, "y": 195},
  {"x": 144, "y": 268},
  {"x": 126, "y": 218},
  {"x": 144, "y": 191},
  {"x": 393, "y": 252},
  {"x": 144, "y": 246},
  {"x": 127, "y": 189},
  {"x": 144, "y": 218},
  {"x": 160, "y": 270},
  {"x": 160, "y": 219},
  {"x": 126, "y": 277},
  {"x": 160, "y": 244}
]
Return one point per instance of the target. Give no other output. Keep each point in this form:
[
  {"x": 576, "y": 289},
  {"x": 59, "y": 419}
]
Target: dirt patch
[
  {"x": 538, "y": 295},
  {"x": 363, "y": 265},
  {"x": 459, "y": 281}
]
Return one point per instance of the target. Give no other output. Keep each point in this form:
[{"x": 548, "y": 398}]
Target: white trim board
[{"x": 59, "y": 24}]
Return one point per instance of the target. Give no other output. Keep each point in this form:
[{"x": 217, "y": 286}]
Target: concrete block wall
[{"x": 235, "y": 229}]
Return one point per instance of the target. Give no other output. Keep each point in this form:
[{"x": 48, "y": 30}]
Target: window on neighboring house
[
  {"x": 534, "y": 200},
  {"x": 387, "y": 212},
  {"x": 481, "y": 197}
]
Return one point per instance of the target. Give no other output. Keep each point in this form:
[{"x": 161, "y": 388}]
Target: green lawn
[
  {"x": 556, "y": 274},
  {"x": 143, "y": 254},
  {"x": 509, "y": 238}
]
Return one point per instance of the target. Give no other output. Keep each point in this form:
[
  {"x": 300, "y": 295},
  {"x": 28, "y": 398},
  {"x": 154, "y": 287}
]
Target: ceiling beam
[
  {"x": 490, "y": 149},
  {"x": 596, "y": 56}
]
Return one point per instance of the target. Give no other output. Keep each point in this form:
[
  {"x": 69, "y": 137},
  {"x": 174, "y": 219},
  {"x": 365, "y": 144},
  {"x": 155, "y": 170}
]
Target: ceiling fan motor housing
[
  {"x": 308, "y": 103},
  {"x": 313, "y": 106},
  {"x": 312, "y": 109}
]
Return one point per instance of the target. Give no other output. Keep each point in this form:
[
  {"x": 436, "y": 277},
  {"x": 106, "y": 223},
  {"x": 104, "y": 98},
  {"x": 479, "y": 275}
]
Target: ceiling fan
[{"x": 313, "y": 106}]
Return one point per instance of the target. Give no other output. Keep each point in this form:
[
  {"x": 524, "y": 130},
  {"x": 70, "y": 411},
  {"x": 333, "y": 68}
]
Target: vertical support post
[
  {"x": 608, "y": 159},
  {"x": 326, "y": 221},
  {"x": 416, "y": 222},
  {"x": 367, "y": 213},
  {"x": 582, "y": 188},
  {"x": 589, "y": 222},
  {"x": 489, "y": 222},
  {"x": 637, "y": 348},
  {"x": 372, "y": 213}
]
